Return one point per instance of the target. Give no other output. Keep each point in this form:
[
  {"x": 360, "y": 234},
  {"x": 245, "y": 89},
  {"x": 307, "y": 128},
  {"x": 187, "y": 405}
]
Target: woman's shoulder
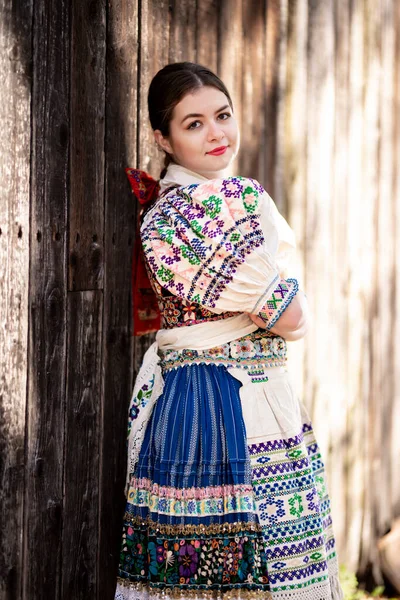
[
  {"x": 229, "y": 191},
  {"x": 232, "y": 185},
  {"x": 232, "y": 197}
]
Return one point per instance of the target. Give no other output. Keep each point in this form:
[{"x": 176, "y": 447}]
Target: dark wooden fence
[{"x": 317, "y": 90}]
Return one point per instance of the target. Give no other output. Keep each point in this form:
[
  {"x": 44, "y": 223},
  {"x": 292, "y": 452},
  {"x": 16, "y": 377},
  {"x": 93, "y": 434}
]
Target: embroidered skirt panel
[{"x": 228, "y": 499}]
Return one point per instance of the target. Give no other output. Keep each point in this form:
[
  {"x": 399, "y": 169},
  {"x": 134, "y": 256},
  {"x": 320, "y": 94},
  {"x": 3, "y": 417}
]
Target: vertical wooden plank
[
  {"x": 385, "y": 271},
  {"x": 319, "y": 277},
  {"x": 271, "y": 82},
  {"x": 86, "y": 222},
  {"x": 356, "y": 347},
  {"x": 294, "y": 160},
  {"x": 368, "y": 266},
  {"x": 207, "y": 33},
  {"x": 87, "y": 141},
  {"x": 280, "y": 197},
  {"x": 15, "y": 118},
  {"x": 338, "y": 446},
  {"x": 395, "y": 209},
  {"x": 47, "y": 292},
  {"x": 251, "y": 162},
  {"x": 182, "y": 38},
  {"x": 154, "y": 52},
  {"x": 83, "y": 416},
  {"x": 230, "y": 58},
  {"x": 120, "y": 229}
]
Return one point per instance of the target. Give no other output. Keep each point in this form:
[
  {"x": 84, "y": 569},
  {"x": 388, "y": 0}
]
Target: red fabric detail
[
  {"x": 143, "y": 185},
  {"x": 146, "y": 313}
]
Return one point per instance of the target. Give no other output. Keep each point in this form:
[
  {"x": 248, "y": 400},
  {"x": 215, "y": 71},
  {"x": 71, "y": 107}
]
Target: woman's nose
[{"x": 215, "y": 132}]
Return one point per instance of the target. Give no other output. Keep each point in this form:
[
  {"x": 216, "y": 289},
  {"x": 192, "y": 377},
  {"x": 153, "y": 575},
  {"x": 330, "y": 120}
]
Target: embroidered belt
[{"x": 253, "y": 352}]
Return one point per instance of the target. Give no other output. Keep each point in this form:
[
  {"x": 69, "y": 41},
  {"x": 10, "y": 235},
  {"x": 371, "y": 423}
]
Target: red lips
[{"x": 218, "y": 151}]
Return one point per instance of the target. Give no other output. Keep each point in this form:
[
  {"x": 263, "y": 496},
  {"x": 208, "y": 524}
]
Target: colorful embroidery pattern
[
  {"x": 212, "y": 501},
  {"x": 280, "y": 299},
  {"x": 294, "y": 512},
  {"x": 139, "y": 401},
  {"x": 222, "y": 558},
  {"x": 195, "y": 237},
  {"x": 177, "y": 312},
  {"x": 256, "y": 351},
  {"x": 287, "y": 548}
]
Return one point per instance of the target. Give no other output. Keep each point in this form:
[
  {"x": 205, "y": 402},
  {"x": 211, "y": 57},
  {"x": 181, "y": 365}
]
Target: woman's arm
[{"x": 293, "y": 324}]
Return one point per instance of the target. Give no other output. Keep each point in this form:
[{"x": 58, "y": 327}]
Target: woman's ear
[{"x": 162, "y": 141}]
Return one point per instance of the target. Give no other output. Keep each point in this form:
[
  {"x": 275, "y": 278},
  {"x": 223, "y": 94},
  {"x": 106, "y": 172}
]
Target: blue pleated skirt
[{"x": 196, "y": 436}]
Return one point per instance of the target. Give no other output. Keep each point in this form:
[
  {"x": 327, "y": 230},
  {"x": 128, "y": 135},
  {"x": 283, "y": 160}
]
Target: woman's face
[{"x": 203, "y": 133}]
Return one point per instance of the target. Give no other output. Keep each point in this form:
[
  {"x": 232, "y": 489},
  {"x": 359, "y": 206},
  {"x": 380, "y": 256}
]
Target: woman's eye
[
  {"x": 224, "y": 116},
  {"x": 194, "y": 125}
]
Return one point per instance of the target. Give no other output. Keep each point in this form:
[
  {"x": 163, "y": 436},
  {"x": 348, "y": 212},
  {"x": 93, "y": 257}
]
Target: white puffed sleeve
[{"x": 215, "y": 243}]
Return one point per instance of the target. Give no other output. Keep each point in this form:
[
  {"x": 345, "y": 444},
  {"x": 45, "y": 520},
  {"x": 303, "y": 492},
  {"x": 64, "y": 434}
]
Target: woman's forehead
[{"x": 205, "y": 100}]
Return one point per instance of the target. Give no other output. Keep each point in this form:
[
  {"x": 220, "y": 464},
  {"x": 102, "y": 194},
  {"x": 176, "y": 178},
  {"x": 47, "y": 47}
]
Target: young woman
[{"x": 226, "y": 494}]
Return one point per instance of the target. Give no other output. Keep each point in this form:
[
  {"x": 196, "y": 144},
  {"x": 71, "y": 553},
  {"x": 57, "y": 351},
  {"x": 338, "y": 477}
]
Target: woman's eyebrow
[{"x": 191, "y": 115}]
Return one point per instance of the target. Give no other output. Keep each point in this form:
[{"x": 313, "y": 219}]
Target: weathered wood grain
[
  {"x": 366, "y": 236},
  {"x": 252, "y": 157},
  {"x": 385, "y": 269},
  {"x": 271, "y": 83},
  {"x": 154, "y": 53},
  {"x": 80, "y": 569},
  {"x": 320, "y": 383},
  {"x": 86, "y": 217},
  {"x": 86, "y": 247},
  {"x": 339, "y": 437},
  {"x": 395, "y": 210},
  {"x": 293, "y": 157},
  {"x": 43, "y": 512},
  {"x": 15, "y": 118},
  {"x": 355, "y": 341},
  {"x": 182, "y": 32},
  {"x": 207, "y": 33},
  {"x": 119, "y": 234},
  {"x": 230, "y": 59}
]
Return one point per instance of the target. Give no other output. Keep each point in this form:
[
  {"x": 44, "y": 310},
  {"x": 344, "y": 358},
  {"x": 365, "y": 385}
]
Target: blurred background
[{"x": 316, "y": 87}]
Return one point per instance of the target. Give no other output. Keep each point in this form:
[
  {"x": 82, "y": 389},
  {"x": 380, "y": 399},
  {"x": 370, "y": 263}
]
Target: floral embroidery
[
  {"x": 176, "y": 312},
  {"x": 244, "y": 349},
  {"x": 188, "y": 559},
  {"x": 227, "y": 557},
  {"x": 250, "y": 199},
  {"x": 189, "y": 310},
  {"x": 171, "y": 313},
  {"x": 219, "y": 351},
  {"x": 195, "y": 237},
  {"x": 139, "y": 401},
  {"x": 190, "y": 503},
  {"x": 255, "y": 352},
  {"x": 164, "y": 274},
  {"x": 213, "y": 206}
]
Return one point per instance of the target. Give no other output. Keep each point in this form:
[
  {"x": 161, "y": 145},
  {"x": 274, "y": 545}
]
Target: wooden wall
[{"x": 316, "y": 87}]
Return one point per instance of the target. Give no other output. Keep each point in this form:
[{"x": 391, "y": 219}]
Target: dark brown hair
[{"x": 170, "y": 85}]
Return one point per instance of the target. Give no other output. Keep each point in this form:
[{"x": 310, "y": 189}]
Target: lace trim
[{"x": 148, "y": 388}]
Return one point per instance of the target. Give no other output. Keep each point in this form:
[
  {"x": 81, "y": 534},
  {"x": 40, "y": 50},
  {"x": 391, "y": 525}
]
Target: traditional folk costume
[{"x": 226, "y": 494}]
